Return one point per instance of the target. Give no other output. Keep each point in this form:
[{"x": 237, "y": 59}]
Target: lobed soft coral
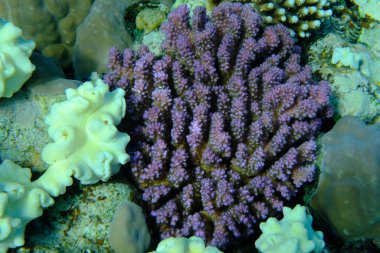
[
  {"x": 193, "y": 244},
  {"x": 87, "y": 144},
  {"x": 223, "y": 123},
  {"x": 292, "y": 234},
  {"x": 20, "y": 203},
  {"x": 15, "y": 66}
]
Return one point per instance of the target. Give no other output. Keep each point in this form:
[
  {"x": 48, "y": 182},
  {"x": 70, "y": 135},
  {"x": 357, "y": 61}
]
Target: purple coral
[{"x": 223, "y": 124}]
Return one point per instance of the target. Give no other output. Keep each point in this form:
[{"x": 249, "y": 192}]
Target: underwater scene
[{"x": 189, "y": 126}]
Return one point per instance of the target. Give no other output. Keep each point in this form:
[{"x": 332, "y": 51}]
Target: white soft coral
[
  {"x": 15, "y": 66},
  {"x": 292, "y": 234},
  {"x": 20, "y": 202},
  {"x": 87, "y": 145}
]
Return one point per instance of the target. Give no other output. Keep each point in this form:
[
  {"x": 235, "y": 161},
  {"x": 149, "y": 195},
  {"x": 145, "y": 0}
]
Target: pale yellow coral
[
  {"x": 15, "y": 66},
  {"x": 87, "y": 144}
]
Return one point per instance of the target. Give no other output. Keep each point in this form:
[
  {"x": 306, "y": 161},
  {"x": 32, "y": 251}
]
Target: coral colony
[
  {"x": 223, "y": 124},
  {"x": 301, "y": 16}
]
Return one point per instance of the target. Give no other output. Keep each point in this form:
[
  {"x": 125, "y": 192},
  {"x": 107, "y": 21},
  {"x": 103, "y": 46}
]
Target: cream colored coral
[
  {"x": 370, "y": 8},
  {"x": 20, "y": 202},
  {"x": 345, "y": 56},
  {"x": 87, "y": 146},
  {"x": 193, "y": 244},
  {"x": 15, "y": 66},
  {"x": 292, "y": 234},
  {"x": 86, "y": 143}
]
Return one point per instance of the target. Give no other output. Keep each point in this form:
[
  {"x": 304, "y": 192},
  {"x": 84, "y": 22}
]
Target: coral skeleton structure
[{"x": 222, "y": 125}]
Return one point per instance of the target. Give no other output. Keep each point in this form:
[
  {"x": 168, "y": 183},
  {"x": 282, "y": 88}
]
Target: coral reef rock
[
  {"x": 352, "y": 72},
  {"x": 103, "y": 28},
  {"x": 51, "y": 24},
  {"x": 79, "y": 221},
  {"x": 348, "y": 190}
]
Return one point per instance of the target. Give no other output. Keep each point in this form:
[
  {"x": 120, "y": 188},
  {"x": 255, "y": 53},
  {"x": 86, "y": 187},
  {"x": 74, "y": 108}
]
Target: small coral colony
[{"x": 229, "y": 139}]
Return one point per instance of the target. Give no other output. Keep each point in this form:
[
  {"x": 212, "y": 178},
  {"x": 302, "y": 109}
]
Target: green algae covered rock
[{"x": 150, "y": 19}]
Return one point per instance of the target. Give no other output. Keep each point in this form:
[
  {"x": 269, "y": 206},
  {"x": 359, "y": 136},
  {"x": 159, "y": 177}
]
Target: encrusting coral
[{"x": 223, "y": 124}]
